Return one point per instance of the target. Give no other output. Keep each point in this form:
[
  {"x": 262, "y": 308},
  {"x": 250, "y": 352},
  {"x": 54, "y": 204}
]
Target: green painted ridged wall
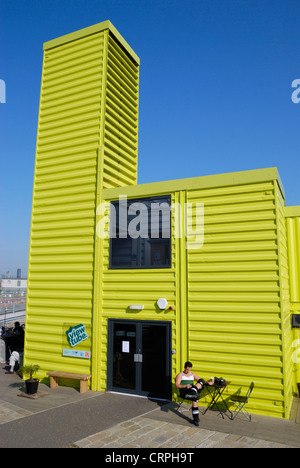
[
  {"x": 234, "y": 298},
  {"x": 120, "y": 288},
  {"x": 121, "y": 119},
  {"x": 231, "y": 313},
  {"x": 293, "y": 232},
  {"x": 231, "y": 299},
  {"x": 293, "y": 238},
  {"x": 88, "y": 83}
]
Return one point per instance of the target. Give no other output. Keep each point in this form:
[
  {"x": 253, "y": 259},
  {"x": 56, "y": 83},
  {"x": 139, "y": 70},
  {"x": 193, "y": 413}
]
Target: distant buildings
[{"x": 13, "y": 284}]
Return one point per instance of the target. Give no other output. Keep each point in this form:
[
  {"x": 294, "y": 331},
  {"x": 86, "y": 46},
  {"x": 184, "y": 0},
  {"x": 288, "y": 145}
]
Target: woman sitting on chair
[{"x": 185, "y": 383}]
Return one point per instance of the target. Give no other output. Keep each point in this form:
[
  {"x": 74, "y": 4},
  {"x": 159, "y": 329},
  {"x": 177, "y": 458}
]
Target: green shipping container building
[{"x": 128, "y": 280}]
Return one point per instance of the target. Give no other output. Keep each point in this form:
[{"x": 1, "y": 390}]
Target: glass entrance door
[
  {"x": 124, "y": 349},
  {"x": 139, "y": 357}
]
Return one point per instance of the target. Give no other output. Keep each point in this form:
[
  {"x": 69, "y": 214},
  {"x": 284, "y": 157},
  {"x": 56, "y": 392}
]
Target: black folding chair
[
  {"x": 181, "y": 400},
  {"x": 240, "y": 402}
]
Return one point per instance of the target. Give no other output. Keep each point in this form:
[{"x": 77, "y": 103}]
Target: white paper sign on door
[{"x": 125, "y": 347}]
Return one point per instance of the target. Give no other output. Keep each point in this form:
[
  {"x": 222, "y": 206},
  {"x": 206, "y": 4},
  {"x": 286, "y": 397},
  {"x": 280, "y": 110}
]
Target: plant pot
[{"x": 31, "y": 386}]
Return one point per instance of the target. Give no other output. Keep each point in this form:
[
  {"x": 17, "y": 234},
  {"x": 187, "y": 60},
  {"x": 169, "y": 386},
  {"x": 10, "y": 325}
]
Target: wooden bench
[{"x": 84, "y": 379}]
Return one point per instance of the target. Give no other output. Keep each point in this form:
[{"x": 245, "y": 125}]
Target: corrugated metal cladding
[
  {"x": 293, "y": 232},
  {"x": 287, "y": 335},
  {"x": 120, "y": 288},
  {"x": 73, "y": 144},
  {"x": 121, "y": 119},
  {"x": 231, "y": 296},
  {"x": 234, "y": 293},
  {"x": 293, "y": 236}
]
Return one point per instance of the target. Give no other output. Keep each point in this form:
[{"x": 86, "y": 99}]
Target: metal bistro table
[{"x": 216, "y": 394}]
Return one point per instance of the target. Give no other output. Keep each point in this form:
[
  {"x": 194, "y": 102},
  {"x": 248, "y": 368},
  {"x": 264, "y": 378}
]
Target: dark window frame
[{"x": 142, "y": 267}]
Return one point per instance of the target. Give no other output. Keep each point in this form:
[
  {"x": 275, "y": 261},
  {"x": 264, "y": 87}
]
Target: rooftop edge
[
  {"x": 194, "y": 183},
  {"x": 89, "y": 31}
]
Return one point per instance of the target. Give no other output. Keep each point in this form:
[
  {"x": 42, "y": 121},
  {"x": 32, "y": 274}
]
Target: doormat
[{"x": 34, "y": 396}]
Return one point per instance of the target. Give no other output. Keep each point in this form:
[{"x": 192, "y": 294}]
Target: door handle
[{"x": 138, "y": 358}]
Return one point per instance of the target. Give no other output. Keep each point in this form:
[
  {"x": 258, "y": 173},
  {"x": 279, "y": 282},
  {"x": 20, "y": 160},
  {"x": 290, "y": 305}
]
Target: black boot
[{"x": 195, "y": 413}]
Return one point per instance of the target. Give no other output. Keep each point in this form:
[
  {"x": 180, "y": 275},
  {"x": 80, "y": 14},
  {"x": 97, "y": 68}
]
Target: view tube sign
[
  {"x": 76, "y": 335},
  {"x": 73, "y": 337}
]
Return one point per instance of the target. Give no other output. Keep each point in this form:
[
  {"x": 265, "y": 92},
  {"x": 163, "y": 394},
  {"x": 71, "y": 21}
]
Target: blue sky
[{"x": 215, "y": 91}]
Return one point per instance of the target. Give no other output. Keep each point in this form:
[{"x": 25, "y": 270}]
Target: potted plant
[{"x": 31, "y": 384}]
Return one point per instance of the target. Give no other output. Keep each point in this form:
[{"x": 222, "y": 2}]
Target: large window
[{"x": 140, "y": 233}]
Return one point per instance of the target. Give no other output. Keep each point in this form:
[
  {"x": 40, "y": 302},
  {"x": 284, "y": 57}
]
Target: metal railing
[{"x": 12, "y": 310}]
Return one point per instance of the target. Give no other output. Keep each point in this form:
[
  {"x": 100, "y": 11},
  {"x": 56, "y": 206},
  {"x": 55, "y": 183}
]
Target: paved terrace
[{"x": 62, "y": 418}]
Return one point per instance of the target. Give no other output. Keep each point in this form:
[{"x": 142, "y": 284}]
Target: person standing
[
  {"x": 14, "y": 358},
  {"x": 15, "y": 347}
]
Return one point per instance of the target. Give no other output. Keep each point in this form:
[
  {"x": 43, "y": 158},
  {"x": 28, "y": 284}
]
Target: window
[{"x": 140, "y": 233}]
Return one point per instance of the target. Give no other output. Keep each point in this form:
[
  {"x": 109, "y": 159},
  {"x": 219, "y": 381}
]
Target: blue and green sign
[{"x": 76, "y": 335}]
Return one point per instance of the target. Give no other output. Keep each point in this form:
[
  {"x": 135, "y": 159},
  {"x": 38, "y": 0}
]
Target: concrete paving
[{"x": 63, "y": 417}]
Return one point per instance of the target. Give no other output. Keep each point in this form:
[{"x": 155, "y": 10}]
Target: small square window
[{"x": 140, "y": 233}]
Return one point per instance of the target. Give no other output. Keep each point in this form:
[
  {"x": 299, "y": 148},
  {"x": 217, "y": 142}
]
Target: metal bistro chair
[
  {"x": 180, "y": 402},
  {"x": 240, "y": 402}
]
